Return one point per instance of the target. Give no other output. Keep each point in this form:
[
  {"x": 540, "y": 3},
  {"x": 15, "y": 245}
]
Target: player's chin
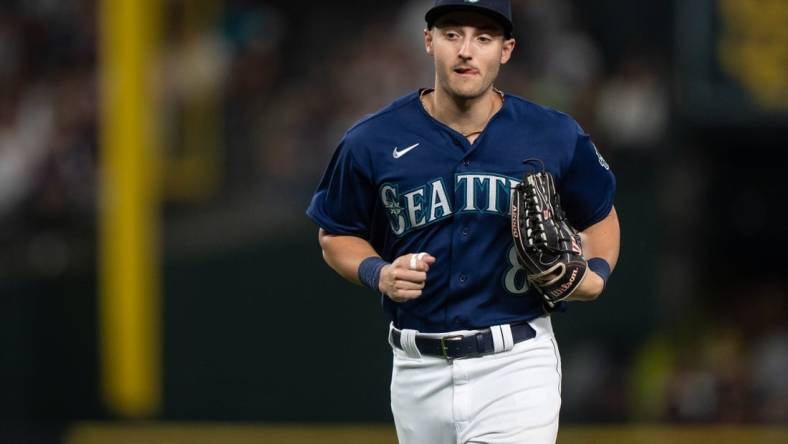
[
  {"x": 471, "y": 87},
  {"x": 468, "y": 92}
]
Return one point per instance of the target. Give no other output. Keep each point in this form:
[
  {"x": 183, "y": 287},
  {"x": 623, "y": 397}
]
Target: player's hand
[
  {"x": 404, "y": 279},
  {"x": 589, "y": 289}
]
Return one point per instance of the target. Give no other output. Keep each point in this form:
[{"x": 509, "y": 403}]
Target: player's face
[{"x": 468, "y": 50}]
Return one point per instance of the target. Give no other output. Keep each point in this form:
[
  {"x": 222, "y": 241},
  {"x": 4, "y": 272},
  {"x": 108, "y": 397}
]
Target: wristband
[
  {"x": 369, "y": 272},
  {"x": 600, "y": 267}
]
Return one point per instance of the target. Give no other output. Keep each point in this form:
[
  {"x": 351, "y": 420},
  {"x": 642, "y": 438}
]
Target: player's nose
[{"x": 465, "y": 49}]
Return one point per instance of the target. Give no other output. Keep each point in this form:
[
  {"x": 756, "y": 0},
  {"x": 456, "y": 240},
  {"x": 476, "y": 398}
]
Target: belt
[{"x": 464, "y": 346}]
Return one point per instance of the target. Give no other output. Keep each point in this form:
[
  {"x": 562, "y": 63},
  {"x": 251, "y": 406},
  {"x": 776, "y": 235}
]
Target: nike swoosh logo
[{"x": 399, "y": 153}]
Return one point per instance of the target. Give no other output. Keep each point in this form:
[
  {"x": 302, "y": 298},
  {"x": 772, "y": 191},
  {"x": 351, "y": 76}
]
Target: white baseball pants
[{"x": 512, "y": 397}]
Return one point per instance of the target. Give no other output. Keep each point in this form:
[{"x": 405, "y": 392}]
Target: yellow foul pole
[{"x": 129, "y": 293}]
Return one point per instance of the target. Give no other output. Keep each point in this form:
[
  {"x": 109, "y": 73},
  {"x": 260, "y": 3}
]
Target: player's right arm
[{"x": 398, "y": 280}]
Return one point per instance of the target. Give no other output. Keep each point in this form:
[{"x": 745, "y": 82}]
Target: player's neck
[{"x": 466, "y": 116}]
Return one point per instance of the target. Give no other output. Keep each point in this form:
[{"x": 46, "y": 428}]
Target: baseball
[{"x": 414, "y": 259}]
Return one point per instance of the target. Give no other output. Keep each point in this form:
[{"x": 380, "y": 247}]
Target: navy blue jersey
[{"x": 408, "y": 183}]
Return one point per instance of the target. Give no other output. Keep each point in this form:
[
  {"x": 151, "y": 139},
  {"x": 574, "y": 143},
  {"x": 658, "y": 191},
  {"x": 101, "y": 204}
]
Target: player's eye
[
  {"x": 484, "y": 39},
  {"x": 452, "y": 35}
]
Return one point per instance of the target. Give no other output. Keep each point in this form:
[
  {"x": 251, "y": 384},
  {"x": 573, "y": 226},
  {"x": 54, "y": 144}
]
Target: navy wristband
[
  {"x": 369, "y": 271},
  {"x": 600, "y": 267}
]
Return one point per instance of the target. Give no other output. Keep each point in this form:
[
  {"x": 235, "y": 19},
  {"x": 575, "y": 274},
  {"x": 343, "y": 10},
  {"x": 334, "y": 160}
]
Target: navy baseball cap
[{"x": 499, "y": 10}]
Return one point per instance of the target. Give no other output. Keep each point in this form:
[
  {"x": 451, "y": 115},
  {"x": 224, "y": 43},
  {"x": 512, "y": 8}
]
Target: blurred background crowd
[{"x": 254, "y": 97}]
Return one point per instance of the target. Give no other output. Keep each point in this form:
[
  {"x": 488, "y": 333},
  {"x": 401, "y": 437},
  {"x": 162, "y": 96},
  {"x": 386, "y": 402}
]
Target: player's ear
[
  {"x": 506, "y": 50},
  {"x": 428, "y": 40}
]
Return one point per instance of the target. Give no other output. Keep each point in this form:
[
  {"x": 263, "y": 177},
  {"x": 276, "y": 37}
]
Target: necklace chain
[
  {"x": 472, "y": 133},
  {"x": 497, "y": 91}
]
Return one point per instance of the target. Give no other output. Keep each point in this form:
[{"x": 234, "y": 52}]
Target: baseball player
[{"x": 417, "y": 204}]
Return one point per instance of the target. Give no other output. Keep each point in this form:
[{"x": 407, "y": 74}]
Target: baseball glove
[{"x": 548, "y": 248}]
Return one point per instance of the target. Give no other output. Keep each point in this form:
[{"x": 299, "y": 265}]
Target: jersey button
[
  {"x": 466, "y": 162},
  {"x": 463, "y": 278},
  {"x": 466, "y": 231}
]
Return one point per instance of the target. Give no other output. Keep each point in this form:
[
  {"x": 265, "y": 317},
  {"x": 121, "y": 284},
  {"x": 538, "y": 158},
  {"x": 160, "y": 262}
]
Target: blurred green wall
[{"x": 268, "y": 332}]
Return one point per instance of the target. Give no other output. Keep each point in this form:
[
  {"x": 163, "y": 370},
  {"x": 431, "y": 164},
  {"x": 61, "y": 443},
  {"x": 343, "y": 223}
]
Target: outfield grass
[{"x": 213, "y": 433}]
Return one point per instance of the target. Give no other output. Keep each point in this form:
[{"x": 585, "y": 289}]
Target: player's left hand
[
  {"x": 404, "y": 279},
  {"x": 589, "y": 289}
]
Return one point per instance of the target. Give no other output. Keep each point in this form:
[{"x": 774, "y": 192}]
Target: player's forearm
[
  {"x": 603, "y": 239},
  {"x": 345, "y": 253},
  {"x": 600, "y": 240}
]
